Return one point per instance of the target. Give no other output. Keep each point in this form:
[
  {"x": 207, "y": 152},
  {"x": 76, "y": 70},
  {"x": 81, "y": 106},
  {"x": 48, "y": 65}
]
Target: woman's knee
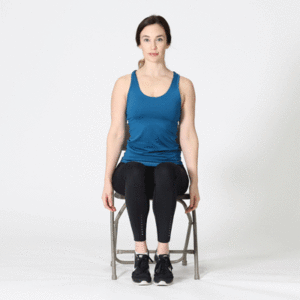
[
  {"x": 135, "y": 170},
  {"x": 165, "y": 171}
]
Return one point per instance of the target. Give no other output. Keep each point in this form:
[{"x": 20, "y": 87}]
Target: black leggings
[{"x": 138, "y": 183}]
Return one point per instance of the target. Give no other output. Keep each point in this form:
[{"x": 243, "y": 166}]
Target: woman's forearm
[
  {"x": 190, "y": 148},
  {"x": 113, "y": 150}
]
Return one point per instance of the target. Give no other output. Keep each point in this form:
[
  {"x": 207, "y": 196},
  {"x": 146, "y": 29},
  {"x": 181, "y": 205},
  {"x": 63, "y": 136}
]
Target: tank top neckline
[{"x": 165, "y": 94}]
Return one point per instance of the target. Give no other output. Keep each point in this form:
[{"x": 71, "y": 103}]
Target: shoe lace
[
  {"x": 163, "y": 265},
  {"x": 143, "y": 263}
]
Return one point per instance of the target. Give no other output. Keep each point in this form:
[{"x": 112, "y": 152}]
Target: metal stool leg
[
  {"x": 196, "y": 266},
  {"x": 184, "y": 259},
  {"x": 113, "y": 244}
]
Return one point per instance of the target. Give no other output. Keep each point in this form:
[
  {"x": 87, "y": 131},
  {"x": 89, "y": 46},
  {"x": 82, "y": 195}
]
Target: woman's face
[{"x": 153, "y": 40}]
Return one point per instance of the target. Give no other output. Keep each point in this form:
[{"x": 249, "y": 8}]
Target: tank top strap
[
  {"x": 134, "y": 79},
  {"x": 175, "y": 82}
]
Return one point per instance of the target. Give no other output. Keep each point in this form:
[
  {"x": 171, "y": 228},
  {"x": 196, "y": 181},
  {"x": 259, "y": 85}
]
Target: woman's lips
[{"x": 153, "y": 54}]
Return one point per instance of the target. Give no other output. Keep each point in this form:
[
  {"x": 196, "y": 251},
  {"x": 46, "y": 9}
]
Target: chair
[{"x": 191, "y": 221}]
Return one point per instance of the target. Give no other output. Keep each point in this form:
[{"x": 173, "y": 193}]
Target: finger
[
  {"x": 110, "y": 205},
  {"x": 192, "y": 200},
  {"x": 188, "y": 210},
  {"x": 109, "y": 198},
  {"x": 191, "y": 208},
  {"x": 106, "y": 206}
]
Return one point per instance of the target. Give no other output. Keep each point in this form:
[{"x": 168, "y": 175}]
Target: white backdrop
[{"x": 59, "y": 63}]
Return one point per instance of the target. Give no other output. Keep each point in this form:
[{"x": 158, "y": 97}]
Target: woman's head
[{"x": 153, "y": 36}]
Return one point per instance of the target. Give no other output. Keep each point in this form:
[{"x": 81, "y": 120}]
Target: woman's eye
[{"x": 145, "y": 40}]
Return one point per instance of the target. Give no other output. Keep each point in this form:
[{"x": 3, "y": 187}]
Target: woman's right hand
[{"x": 107, "y": 196}]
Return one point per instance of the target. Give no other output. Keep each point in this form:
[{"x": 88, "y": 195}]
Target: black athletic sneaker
[
  {"x": 141, "y": 274},
  {"x": 163, "y": 270}
]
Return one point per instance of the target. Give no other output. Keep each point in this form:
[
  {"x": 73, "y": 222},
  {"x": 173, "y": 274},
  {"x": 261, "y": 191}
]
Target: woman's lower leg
[
  {"x": 141, "y": 247},
  {"x": 164, "y": 204},
  {"x": 137, "y": 203},
  {"x": 162, "y": 248}
]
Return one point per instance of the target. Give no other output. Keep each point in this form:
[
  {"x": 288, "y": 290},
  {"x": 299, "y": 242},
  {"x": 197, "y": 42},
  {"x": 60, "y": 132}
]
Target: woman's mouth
[{"x": 153, "y": 54}]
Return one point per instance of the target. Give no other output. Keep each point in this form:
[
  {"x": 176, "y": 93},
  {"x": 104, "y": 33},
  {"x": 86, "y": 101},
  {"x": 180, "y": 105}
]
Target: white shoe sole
[
  {"x": 162, "y": 282},
  {"x": 143, "y": 282}
]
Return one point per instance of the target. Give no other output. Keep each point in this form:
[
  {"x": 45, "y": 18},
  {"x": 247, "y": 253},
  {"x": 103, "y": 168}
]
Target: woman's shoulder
[
  {"x": 185, "y": 85},
  {"x": 123, "y": 82},
  {"x": 184, "y": 82},
  {"x": 186, "y": 88},
  {"x": 124, "y": 79}
]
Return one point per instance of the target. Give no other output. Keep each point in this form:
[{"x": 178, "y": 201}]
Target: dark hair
[{"x": 153, "y": 19}]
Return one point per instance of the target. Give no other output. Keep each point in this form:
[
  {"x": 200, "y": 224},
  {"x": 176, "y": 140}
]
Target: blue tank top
[{"x": 153, "y": 125}]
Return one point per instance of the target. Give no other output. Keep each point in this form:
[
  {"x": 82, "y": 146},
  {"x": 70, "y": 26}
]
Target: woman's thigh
[
  {"x": 123, "y": 169},
  {"x": 118, "y": 178},
  {"x": 181, "y": 178}
]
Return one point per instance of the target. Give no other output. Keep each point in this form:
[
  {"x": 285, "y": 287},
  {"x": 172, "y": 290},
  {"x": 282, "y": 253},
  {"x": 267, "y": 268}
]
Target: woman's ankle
[
  {"x": 162, "y": 248},
  {"x": 163, "y": 251},
  {"x": 141, "y": 247}
]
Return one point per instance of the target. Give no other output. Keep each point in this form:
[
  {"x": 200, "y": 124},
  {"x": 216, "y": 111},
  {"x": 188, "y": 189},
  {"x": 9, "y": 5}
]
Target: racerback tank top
[{"x": 153, "y": 125}]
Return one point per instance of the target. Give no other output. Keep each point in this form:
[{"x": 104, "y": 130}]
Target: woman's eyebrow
[{"x": 149, "y": 36}]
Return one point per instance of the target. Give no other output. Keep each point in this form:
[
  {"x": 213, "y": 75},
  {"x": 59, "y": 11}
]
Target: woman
[{"x": 153, "y": 99}]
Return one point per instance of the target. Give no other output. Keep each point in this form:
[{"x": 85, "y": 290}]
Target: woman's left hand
[{"x": 194, "y": 197}]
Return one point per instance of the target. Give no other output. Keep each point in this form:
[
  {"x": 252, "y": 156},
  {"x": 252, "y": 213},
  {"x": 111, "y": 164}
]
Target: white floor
[{"x": 50, "y": 268}]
